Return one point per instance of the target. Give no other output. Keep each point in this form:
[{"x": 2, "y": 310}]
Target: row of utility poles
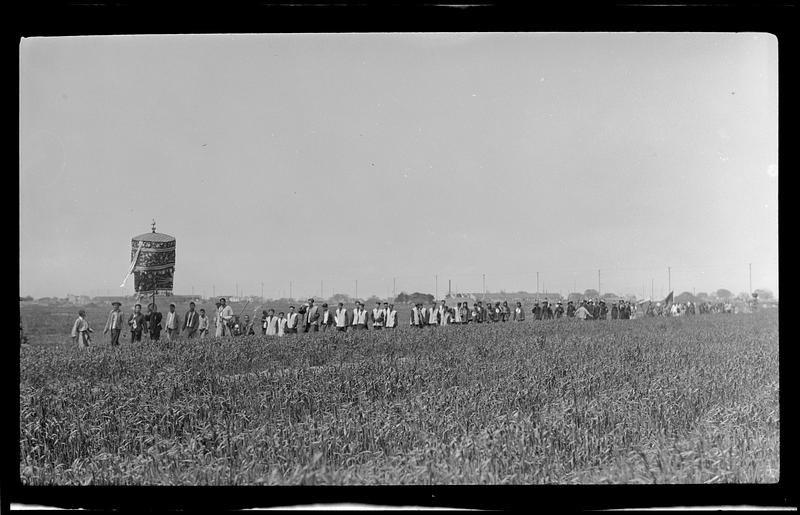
[{"x": 449, "y": 283}]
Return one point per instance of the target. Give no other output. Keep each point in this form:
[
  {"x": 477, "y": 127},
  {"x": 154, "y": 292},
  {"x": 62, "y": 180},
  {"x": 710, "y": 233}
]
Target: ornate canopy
[{"x": 153, "y": 256}]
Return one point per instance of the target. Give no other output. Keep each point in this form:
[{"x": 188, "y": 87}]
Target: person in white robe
[
  {"x": 271, "y": 323},
  {"x": 291, "y": 321},
  {"x": 340, "y": 318},
  {"x": 391, "y": 315},
  {"x": 224, "y": 318},
  {"x": 81, "y": 331},
  {"x": 282, "y": 324}
]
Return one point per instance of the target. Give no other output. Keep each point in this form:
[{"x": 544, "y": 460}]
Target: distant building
[
  {"x": 80, "y": 300},
  {"x": 522, "y": 296}
]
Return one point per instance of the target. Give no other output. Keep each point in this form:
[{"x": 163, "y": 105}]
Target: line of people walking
[
  {"x": 442, "y": 314},
  {"x": 313, "y": 318}
]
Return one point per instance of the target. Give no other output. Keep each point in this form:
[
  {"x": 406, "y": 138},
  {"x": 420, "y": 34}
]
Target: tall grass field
[{"x": 654, "y": 400}]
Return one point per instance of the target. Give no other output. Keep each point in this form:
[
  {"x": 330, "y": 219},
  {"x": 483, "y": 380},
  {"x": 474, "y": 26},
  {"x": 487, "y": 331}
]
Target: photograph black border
[{"x": 37, "y": 18}]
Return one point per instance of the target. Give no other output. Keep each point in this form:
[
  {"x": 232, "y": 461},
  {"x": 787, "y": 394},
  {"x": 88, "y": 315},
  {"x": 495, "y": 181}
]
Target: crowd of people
[{"x": 312, "y": 318}]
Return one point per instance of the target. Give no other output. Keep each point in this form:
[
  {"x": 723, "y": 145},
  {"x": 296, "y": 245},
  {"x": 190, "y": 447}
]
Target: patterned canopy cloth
[{"x": 153, "y": 258}]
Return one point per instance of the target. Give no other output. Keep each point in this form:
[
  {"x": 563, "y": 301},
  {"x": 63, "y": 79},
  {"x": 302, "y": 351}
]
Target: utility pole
[
  {"x": 484, "y": 284},
  {"x": 449, "y": 288},
  {"x": 750, "y": 267},
  {"x": 262, "y": 290},
  {"x": 192, "y": 290}
]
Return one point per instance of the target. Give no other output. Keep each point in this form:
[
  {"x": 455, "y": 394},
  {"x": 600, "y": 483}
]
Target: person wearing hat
[
  {"x": 173, "y": 324},
  {"x": 224, "y": 318},
  {"x": 559, "y": 310},
  {"x": 136, "y": 323},
  {"x": 615, "y": 310},
  {"x": 81, "y": 331},
  {"x": 310, "y": 314},
  {"x": 153, "y": 319},
  {"x": 326, "y": 318},
  {"x": 114, "y": 323},
  {"x": 570, "y": 309},
  {"x": 191, "y": 322}
]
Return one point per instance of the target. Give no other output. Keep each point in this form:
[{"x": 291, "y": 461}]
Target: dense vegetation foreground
[{"x": 690, "y": 399}]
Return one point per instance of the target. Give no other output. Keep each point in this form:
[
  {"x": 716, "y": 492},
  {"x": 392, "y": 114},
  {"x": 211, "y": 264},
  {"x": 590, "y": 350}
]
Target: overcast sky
[{"x": 365, "y": 157}]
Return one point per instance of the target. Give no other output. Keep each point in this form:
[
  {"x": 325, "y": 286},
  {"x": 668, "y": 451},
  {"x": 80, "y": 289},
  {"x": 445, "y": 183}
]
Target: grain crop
[{"x": 654, "y": 400}]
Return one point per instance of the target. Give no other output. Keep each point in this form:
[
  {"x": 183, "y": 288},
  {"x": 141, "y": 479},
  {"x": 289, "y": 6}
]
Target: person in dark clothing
[
  {"x": 547, "y": 312},
  {"x": 603, "y": 310},
  {"x": 537, "y": 311},
  {"x": 247, "y": 327},
  {"x": 264, "y": 322},
  {"x": 505, "y": 311},
  {"x": 614, "y": 311},
  {"x": 137, "y": 322},
  {"x": 625, "y": 311},
  {"x": 570, "y": 309},
  {"x": 153, "y": 319},
  {"x": 559, "y": 310}
]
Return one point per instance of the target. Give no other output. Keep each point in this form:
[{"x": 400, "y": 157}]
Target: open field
[{"x": 675, "y": 400}]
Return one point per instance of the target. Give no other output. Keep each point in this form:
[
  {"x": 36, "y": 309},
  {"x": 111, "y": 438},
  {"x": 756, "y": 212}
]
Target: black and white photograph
[{"x": 399, "y": 259}]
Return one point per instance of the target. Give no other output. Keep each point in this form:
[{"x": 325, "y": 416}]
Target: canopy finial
[{"x": 154, "y": 225}]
